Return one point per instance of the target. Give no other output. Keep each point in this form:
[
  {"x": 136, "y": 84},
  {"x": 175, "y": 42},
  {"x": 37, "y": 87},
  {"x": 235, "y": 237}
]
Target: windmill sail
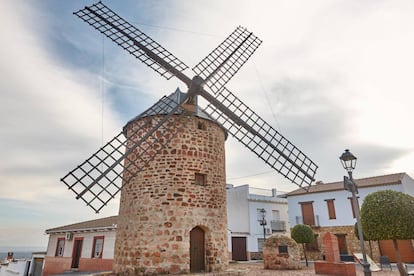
[
  {"x": 133, "y": 41},
  {"x": 223, "y": 62},
  {"x": 99, "y": 179},
  {"x": 260, "y": 137}
]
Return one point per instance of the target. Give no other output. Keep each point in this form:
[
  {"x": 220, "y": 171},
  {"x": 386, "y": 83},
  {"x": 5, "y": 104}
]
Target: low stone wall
[{"x": 276, "y": 258}]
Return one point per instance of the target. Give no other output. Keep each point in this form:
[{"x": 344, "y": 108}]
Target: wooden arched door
[{"x": 197, "y": 250}]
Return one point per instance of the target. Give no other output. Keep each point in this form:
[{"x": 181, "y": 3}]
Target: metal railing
[
  {"x": 278, "y": 225},
  {"x": 308, "y": 221}
]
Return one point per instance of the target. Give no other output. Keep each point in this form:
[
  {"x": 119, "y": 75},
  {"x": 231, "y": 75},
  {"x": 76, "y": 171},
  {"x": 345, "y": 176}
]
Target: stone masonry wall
[
  {"x": 160, "y": 206},
  {"x": 351, "y": 241}
]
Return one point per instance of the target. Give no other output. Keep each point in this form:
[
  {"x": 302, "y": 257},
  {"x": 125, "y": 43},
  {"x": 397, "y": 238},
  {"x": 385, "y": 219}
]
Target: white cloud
[{"x": 335, "y": 74}]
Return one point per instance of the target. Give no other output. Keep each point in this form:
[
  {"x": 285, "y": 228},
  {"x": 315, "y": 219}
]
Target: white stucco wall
[
  {"x": 238, "y": 209},
  {"x": 242, "y": 214},
  {"x": 408, "y": 185},
  {"x": 342, "y": 203},
  {"x": 108, "y": 250}
]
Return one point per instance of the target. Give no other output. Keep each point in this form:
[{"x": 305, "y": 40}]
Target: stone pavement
[{"x": 256, "y": 269}]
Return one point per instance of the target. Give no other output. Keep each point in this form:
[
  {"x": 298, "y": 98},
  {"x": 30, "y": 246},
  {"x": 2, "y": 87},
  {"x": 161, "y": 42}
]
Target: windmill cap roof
[{"x": 159, "y": 108}]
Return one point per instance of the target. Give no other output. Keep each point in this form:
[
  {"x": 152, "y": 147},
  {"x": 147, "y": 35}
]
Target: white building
[
  {"x": 244, "y": 207},
  {"x": 84, "y": 246},
  {"x": 328, "y": 208}
]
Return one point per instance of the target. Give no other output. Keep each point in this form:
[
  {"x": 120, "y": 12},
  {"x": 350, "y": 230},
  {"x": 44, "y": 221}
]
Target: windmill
[{"x": 127, "y": 161}]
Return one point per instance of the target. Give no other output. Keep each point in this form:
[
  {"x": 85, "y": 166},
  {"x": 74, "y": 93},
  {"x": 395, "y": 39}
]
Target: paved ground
[{"x": 256, "y": 269}]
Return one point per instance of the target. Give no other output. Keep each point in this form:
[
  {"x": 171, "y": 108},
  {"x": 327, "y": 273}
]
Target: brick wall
[
  {"x": 59, "y": 265},
  {"x": 55, "y": 265},
  {"x": 160, "y": 207},
  {"x": 95, "y": 264}
]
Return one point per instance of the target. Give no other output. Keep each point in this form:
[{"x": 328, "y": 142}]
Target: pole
[{"x": 367, "y": 271}]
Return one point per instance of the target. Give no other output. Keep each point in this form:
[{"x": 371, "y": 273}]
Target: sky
[{"x": 329, "y": 75}]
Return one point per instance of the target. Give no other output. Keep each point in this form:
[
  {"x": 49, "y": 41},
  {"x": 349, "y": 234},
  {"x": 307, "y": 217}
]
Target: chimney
[{"x": 274, "y": 192}]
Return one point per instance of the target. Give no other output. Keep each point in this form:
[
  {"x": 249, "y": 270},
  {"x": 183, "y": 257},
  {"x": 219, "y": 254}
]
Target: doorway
[
  {"x": 343, "y": 248},
  {"x": 197, "y": 250},
  {"x": 77, "y": 251},
  {"x": 239, "y": 248}
]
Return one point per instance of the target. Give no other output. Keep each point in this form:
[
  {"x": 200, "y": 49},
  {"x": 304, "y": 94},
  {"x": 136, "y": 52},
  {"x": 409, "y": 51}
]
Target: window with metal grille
[
  {"x": 200, "y": 179},
  {"x": 283, "y": 249},
  {"x": 97, "y": 247},
  {"x": 59, "y": 247},
  {"x": 260, "y": 242}
]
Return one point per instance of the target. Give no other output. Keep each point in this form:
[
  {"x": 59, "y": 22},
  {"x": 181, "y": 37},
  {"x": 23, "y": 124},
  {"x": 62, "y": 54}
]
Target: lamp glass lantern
[{"x": 348, "y": 161}]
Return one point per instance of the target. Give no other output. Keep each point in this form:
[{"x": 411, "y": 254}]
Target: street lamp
[
  {"x": 263, "y": 222},
  {"x": 348, "y": 161}
]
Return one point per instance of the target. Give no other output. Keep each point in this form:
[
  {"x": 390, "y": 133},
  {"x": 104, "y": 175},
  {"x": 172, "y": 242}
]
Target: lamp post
[
  {"x": 348, "y": 161},
  {"x": 263, "y": 222}
]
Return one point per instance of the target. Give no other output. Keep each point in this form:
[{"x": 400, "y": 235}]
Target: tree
[
  {"x": 303, "y": 234},
  {"x": 389, "y": 215}
]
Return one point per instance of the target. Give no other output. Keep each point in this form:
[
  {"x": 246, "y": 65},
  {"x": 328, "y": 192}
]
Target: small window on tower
[
  {"x": 200, "y": 179},
  {"x": 201, "y": 125}
]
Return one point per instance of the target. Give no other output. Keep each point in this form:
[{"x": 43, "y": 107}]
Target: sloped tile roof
[
  {"x": 108, "y": 222},
  {"x": 166, "y": 105},
  {"x": 390, "y": 179}
]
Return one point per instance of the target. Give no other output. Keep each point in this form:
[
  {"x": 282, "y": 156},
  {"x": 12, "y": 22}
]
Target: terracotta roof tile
[
  {"x": 390, "y": 179},
  {"x": 108, "y": 222}
]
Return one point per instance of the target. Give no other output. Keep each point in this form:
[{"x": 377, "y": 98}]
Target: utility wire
[
  {"x": 266, "y": 96},
  {"x": 177, "y": 30},
  {"x": 248, "y": 176},
  {"x": 103, "y": 90}
]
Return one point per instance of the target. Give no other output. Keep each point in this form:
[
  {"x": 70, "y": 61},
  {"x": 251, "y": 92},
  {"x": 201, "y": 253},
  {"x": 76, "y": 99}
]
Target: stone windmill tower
[{"x": 169, "y": 161}]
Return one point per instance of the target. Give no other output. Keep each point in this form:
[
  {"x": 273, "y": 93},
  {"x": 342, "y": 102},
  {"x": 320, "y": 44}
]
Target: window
[
  {"x": 260, "y": 242},
  {"x": 283, "y": 249},
  {"x": 276, "y": 215},
  {"x": 331, "y": 208},
  {"x": 201, "y": 125},
  {"x": 97, "y": 247},
  {"x": 59, "y": 247},
  {"x": 200, "y": 179},
  {"x": 307, "y": 213}
]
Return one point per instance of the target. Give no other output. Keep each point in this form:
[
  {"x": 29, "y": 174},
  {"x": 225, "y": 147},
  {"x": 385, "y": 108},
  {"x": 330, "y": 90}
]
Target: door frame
[
  {"x": 76, "y": 252},
  {"x": 201, "y": 250}
]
